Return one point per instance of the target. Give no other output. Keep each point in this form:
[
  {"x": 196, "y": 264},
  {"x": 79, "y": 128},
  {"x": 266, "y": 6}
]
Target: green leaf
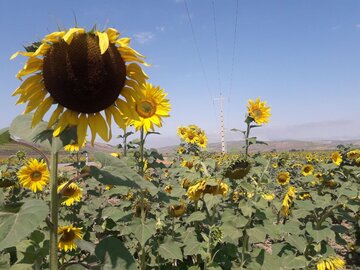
[
  {"x": 21, "y": 266},
  {"x": 196, "y": 216},
  {"x": 21, "y": 128},
  {"x": 16, "y": 226},
  {"x": 299, "y": 262},
  {"x": 319, "y": 234},
  {"x": 4, "y": 136},
  {"x": 76, "y": 267},
  {"x": 143, "y": 231},
  {"x": 4, "y": 261},
  {"x": 112, "y": 252},
  {"x": 171, "y": 250},
  {"x": 192, "y": 248},
  {"x": 256, "y": 235},
  {"x": 117, "y": 172},
  {"x": 211, "y": 201},
  {"x": 297, "y": 241}
]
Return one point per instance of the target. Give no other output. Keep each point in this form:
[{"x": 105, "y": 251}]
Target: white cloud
[
  {"x": 160, "y": 29},
  {"x": 144, "y": 37}
]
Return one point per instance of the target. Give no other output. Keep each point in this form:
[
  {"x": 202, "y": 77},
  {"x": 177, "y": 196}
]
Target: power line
[
  {"x": 217, "y": 48},
  {"x": 234, "y": 48},
  {"x": 197, "y": 49}
]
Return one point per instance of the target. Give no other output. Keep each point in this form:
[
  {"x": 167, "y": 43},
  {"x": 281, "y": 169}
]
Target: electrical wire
[{"x": 197, "y": 50}]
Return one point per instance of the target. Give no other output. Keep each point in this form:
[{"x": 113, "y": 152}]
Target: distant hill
[
  {"x": 232, "y": 146},
  {"x": 279, "y": 146}
]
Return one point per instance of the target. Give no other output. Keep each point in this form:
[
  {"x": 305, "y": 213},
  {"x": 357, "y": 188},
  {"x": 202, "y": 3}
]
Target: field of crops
[{"x": 198, "y": 210}]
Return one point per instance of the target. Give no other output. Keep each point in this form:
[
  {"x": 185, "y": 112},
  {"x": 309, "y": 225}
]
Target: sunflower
[
  {"x": 181, "y": 132},
  {"x": 353, "y": 154},
  {"x": 336, "y": 158},
  {"x": 287, "y": 201},
  {"x": 116, "y": 154},
  {"x": 177, "y": 210},
  {"x": 34, "y": 175},
  {"x": 330, "y": 263},
  {"x": 204, "y": 187},
  {"x": 72, "y": 193},
  {"x": 258, "y": 111},
  {"x": 150, "y": 104},
  {"x": 268, "y": 196},
  {"x": 74, "y": 147},
  {"x": 201, "y": 140},
  {"x": 68, "y": 235},
  {"x": 82, "y": 74},
  {"x": 191, "y": 136},
  {"x": 307, "y": 170},
  {"x": 283, "y": 178}
]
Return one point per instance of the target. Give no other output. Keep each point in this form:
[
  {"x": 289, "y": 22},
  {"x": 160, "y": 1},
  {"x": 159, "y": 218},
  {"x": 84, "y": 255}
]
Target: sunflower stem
[
  {"x": 247, "y": 144},
  {"x": 54, "y": 208},
  {"x": 141, "y": 172}
]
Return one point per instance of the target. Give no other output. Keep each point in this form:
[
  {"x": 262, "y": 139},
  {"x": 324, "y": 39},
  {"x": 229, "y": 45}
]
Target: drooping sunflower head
[
  {"x": 177, "y": 210},
  {"x": 74, "y": 147},
  {"x": 258, "y": 111},
  {"x": 150, "y": 105},
  {"x": 283, "y": 178},
  {"x": 72, "y": 193},
  {"x": 34, "y": 175},
  {"x": 336, "y": 158},
  {"x": 68, "y": 235},
  {"x": 237, "y": 169},
  {"x": 330, "y": 263},
  {"x": 83, "y": 74}
]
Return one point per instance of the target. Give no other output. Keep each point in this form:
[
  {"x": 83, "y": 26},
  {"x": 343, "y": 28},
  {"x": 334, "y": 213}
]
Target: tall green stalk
[
  {"x": 54, "y": 208},
  {"x": 141, "y": 172},
  {"x": 247, "y": 134}
]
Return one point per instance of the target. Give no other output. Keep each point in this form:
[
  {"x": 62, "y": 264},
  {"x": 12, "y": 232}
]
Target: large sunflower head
[
  {"x": 72, "y": 193},
  {"x": 258, "y": 111},
  {"x": 68, "y": 235},
  {"x": 150, "y": 104},
  {"x": 82, "y": 74},
  {"x": 34, "y": 175}
]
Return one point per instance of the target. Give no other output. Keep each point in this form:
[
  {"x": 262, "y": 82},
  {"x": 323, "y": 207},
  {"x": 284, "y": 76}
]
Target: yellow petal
[
  {"x": 35, "y": 100},
  {"x": 101, "y": 126},
  {"x": 29, "y": 54},
  {"x": 135, "y": 72},
  {"x": 108, "y": 120},
  {"x": 113, "y": 34},
  {"x": 55, "y": 115},
  {"x": 82, "y": 128},
  {"x": 103, "y": 41},
  {"x": 32, "y": 65},
  {"x": 43, "y": 48},
  {"x": 70, "y": 34},
  {"x": 92, "y": 124},
  {"x": 118, "y": 118},
  {"x": 62, "y": 124},
  {"x": 41, "y": 110},
  {"x": 54, "y": 37},
  {"x": 126, "y": 111},
  {"x": 123, "y": 42},
  {"x": 33, "y": 80}
]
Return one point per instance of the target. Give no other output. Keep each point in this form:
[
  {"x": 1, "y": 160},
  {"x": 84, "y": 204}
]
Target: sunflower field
[{"x": 138, "y": 209}]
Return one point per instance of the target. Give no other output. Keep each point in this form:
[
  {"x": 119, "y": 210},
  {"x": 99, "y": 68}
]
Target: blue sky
[{"x": 301, "y": 56}]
